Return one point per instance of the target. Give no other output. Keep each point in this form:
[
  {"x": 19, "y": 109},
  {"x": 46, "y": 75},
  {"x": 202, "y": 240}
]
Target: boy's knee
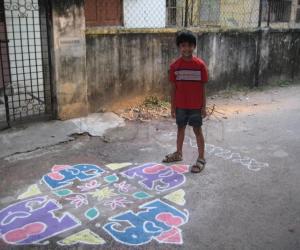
[
  {"x": 197, "y": 131},
  {"x": 181, "y": 128}
]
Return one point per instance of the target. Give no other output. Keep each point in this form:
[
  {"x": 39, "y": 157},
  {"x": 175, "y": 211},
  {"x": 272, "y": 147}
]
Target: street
[{"x": 113, "y": 192}]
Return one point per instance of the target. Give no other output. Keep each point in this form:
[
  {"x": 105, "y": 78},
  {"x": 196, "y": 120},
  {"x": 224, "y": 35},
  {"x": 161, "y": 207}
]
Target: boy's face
[{"x": 186, "y": 49}]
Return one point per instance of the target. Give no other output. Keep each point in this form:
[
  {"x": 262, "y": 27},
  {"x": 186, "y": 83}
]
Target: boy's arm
[
  {"x": 203, "y": 110},
  {"x": 204, "y": 74},
  {"x": 173, "y": 92}
]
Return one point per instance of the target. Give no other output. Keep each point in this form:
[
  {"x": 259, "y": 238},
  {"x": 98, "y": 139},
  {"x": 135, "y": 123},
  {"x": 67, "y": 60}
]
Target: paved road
[{"x": 246, "y": 198}]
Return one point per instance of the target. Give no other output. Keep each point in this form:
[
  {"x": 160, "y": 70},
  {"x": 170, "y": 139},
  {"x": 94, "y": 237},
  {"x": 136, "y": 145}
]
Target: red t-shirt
[{"x": 189, "y": 78}]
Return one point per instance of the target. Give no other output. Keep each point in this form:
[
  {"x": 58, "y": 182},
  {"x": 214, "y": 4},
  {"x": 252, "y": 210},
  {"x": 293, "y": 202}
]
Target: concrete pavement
[
  {"x": 246, "y": 198},
  {"x": 30, "y": 137}
]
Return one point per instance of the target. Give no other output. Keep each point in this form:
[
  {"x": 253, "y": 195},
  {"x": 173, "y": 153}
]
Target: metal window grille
[
  {"x": 171, "y": 13},
  {"x": 277, "y": 11},
  {"x": 298, "y": 13},
  {"x": 298, "y": 16}
]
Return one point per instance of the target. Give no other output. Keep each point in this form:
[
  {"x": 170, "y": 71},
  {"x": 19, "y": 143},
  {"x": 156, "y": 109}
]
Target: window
[
  {"x": 103, "y": 12},
  {"x": 298, "y": 13},
  {"x": 171, "y": 12},
  {"x": 279, "y": 10},
  {"x": 210, "y": 10}
]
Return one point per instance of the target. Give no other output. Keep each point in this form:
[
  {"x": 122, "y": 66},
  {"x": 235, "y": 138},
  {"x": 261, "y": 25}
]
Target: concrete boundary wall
[
  {"x": 122, "y": 65},
  {"x": 94, "y": 68},
  {"x": 69, "y": 58}
]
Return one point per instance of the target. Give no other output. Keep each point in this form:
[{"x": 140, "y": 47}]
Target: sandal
[
  {"x": 176, "y": 156},
  {"x": 198, "y": 166}
]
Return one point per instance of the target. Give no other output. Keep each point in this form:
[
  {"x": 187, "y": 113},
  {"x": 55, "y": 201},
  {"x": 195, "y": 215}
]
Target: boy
[{"x": 188, "y": 75}]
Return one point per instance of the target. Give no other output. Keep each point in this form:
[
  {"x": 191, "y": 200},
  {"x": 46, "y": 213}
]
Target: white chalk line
[{"x": 251, "y": 163}]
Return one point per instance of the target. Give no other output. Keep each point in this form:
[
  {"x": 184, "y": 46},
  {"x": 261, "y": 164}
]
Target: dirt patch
[
  {"x": 145, "y": 109},
  {"x": 220, "y": 106},
  {"x": 154, "y": 107}
]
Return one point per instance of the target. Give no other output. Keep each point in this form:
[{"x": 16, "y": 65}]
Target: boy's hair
[{"x": 185, "y": 36}]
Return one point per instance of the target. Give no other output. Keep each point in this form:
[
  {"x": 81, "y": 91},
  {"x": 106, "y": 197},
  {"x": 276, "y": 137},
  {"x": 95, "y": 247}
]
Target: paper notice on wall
[{"x": 72, "y": 46}]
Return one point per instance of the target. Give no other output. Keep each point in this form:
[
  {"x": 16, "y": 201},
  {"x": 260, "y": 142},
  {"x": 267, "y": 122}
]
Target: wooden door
[{"x": 103, "y": 12}]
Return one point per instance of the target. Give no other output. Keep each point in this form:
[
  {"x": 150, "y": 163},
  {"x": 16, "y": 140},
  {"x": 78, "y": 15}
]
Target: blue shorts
[{"x": 191, "y": 117}]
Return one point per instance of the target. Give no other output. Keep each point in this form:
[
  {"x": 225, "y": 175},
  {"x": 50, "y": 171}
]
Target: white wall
[{"x": 144, "y": 13}]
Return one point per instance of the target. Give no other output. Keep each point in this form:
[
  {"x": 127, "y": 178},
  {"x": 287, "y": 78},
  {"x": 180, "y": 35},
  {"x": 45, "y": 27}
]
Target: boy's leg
[
  {"x": 195, "y": 120},
  {"x": 200, "y": 141},
  {"x": 180, "y": 138},
  {"x": 200, "y": 163},
  {"x": 181, "y": 121}
]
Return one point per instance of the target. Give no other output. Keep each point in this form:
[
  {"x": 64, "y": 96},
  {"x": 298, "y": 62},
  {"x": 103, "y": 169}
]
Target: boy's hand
[
  {"x": 203, "y": 112},
  {"x": 173, "y": 112}
]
